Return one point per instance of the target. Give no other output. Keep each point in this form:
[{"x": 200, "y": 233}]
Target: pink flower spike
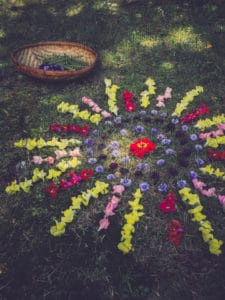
[
  {"x": 50, "y": 160},
  {"x": 160, "y": 98},
  {"x": 221, "y": 126},
  {"x": 209, "y": 193},
  {"x": 115, "y": 201},
  {"x": 222, "y": 199},
  {"x": 160, "y": 104},
  {"x": 37, "y": 160},
  {"x": 103, "y": 224},
  {"x": 105, "y": 114},
  {"x": 84, "y": 99},
  {"x": 75, "y": 152},
  {"x": 60, "y": 153},
  {"x": 96, "y": 108},
  {"x": 167, "y": 94},
  {"x": 109, "y": 210},
  {"x": 198, "y": 184},
  {"x": 118, "y": 189}
]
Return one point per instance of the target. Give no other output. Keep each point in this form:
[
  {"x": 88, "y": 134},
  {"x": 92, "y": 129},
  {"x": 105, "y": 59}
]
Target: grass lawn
[{"x": 51, "y": 243}]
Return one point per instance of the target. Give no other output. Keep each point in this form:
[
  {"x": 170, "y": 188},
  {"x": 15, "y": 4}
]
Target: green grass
[{"x": 165, "y": 40}]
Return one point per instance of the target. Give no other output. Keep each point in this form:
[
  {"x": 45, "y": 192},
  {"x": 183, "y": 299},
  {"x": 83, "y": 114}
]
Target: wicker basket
[{"x": 29, "y": 57}]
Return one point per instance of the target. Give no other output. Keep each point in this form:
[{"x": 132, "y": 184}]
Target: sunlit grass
[
  {"x": 111, "y": 6},
  {"x": 2, "y": 33},
  {"x": 150, "y": 42},
  {"x": 74, "y": 10},
  {"x": 167, "y": 66},
  {"x": 186, "y": 38}
]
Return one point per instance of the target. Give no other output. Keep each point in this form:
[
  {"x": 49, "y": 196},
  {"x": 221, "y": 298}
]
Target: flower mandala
[{"x": 130, "y": 150}]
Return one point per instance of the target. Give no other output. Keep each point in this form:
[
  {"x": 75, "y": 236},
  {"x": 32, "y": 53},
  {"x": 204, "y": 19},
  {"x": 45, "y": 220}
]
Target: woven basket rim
[{"x": 51, "y": 73}]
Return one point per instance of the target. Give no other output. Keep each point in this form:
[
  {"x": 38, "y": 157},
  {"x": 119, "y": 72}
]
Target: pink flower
[
  {"x": 118, "y": 189},
  {"x": 105, "y": 114},
  {"x": 103, "y": 224},
  {"x": 221, "y": 126},
  {"x": 50, "y": 160},
  {"x": 198, "y": 184},
  {"x": 160, "y": 98},
  {"x": 160, "y": 104},
  {"x": 75, "y": 152},
  {"x": 37, "y": 160},
  {"x": 60, "y": 153},
  {"x": 222, "y": 199},
  {"x": 96, "y": 108},
  {"x": 85, "y": 100},
  {"x": 209, "y": 193},
  {"x": 115, "y": 201},
  {"x": 167, "y": 94},
  {"x": 109, "y": 210}
]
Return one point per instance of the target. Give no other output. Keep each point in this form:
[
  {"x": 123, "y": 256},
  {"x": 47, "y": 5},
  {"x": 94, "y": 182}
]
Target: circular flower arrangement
[{"x": 147, "y": 149}]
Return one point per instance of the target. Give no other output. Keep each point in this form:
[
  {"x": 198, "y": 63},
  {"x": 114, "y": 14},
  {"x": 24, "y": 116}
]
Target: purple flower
[
  {"x": 154, "y": 112},
  {"x": 99, "y": 169},
  {"x": 185, "y": 128},
  {"x": 172, "y": 171},
  {"x": 160, "y": 137},
  {"x": 92, "y": 160},
  {"x": 154, "y": 131},
  {"x": 107, "y": 122},
  {"x": 90, "y": 151},
  {"x": 101, "y": 146},
  {"x": 90, "y": 142},
  {"x": 170, "y": 151},
  {"x": 181, "y": 183},
  {"x": 165, "y": 142},
  {"x": 114, "y": 145},
  {"x": 142, "y": 166},
  {"x": 144, "y": 186},
  {"x": 163, "y": 115},
  {"x": 160, "y": 162},
  {"x": 113, "y": 165},
  {"x": 116, "y": 153},
  {"x": 142, "y": 112},
  {"x": 193, "y": 137},
  {"x": 139, "y": 129},
  {"x": 175, "y": 121},
  {"x": 199, "y": 161},
  {"x": 125, "y": 159},
  {"x": 110, "y": 177},
  {"x": 198, "y": 147},
  {"x": 123, "y": 132},
  {"x": 126, "y": 182},
  {"x": 162, "y": 187},
  {"x": 117, "y": 120},
  {"x": 193, "y": 174},
  {"x": 95, "y": 132},
  {"x": 124, "y": 170}
]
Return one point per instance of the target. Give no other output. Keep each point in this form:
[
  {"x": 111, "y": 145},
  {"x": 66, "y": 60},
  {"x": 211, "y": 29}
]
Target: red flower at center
[
  {"x": 167, "y": 206},
  {"x": 127, "y": 96},
  {"x": 142, "y": 147}
]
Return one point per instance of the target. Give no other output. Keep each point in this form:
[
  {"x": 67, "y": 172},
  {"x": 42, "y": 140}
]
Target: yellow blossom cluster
[
  {"x": 65, "y": 107},
  {"x": 39, "y": 174},
  {"x": 110, "y": 91},
  {"x": 215, "y": 142},
  {"x": 133, "y": 217},
  {"x": 206, "y": 123},
  {"x": 189, "y": 97},
  {"x": 205, "y": 226},
  {"x": 31, "y": 144},
  {"x": 68, "y": 215},
  {"x": 212, "y": 171},
  {"x": 145, "y": 101}
]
